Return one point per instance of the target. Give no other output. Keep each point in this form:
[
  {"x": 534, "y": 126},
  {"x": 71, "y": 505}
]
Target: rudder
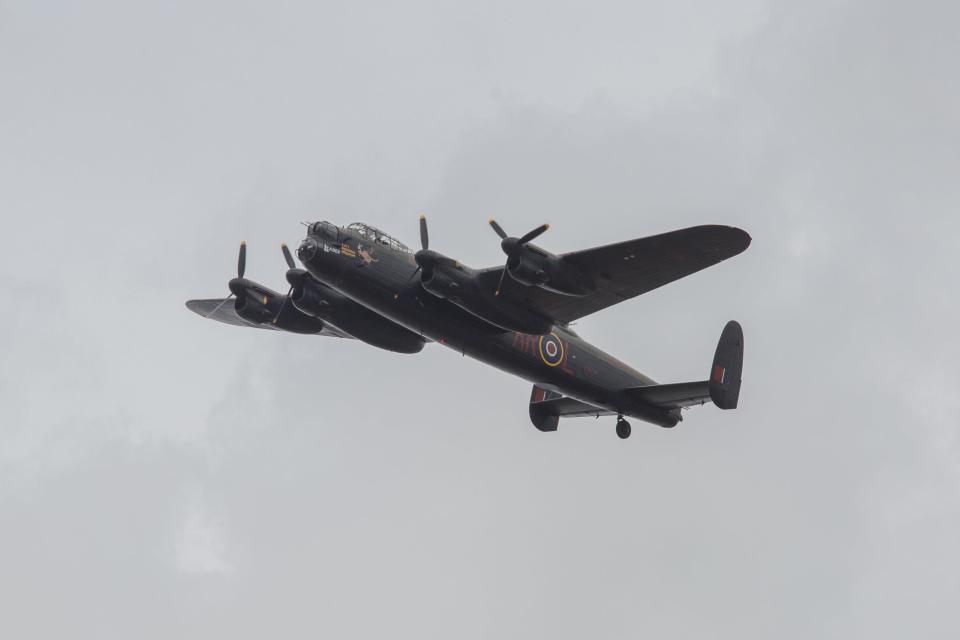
[{"x": 727, "y": 367}]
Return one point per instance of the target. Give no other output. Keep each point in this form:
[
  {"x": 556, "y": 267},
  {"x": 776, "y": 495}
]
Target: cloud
[
  {"x": 168, "y": 476},
  {"x": 200, "y": 544}
]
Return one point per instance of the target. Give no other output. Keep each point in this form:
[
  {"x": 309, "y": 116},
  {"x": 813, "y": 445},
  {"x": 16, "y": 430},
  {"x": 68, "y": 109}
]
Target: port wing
[{"x": 627, "y": 269}]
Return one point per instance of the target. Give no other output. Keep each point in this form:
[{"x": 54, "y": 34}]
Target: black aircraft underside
[{"x": 358, "y": 282}]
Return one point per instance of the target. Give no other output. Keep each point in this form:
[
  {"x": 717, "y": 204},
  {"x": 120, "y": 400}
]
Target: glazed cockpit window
[
  {"x": 325, "y": 230},
  {"x": 366, "y": 231}
]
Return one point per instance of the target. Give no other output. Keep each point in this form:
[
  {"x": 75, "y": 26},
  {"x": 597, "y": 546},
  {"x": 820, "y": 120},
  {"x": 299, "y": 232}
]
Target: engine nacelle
[
  {"x": 350, "y": 316},
  {"x": 447, "y": 282},
  {"x": 254, "y": 310},
  {"x": 528, "y": 272},
  {"x": 458, "y": 284},
  {"x": 549, "y": 272},
  {"x": 258, "y": 305}
]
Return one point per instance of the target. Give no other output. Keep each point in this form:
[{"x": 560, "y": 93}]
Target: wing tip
[
  {"x": 744, "y": 238},
  {"x": 738, "y": 239}
]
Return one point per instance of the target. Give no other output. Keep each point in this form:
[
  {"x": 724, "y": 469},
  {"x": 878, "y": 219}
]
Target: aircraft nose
[{"x": 307, "y": 249}]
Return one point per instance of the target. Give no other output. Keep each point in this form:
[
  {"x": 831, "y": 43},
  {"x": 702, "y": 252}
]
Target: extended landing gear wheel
[{"x": 623, "y": 429}]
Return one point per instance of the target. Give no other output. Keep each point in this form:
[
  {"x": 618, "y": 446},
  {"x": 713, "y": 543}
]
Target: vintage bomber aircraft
[{"x": 361, "y": 283}]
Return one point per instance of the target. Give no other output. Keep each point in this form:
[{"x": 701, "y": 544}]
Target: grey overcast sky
[{"x": 162, "y": 476}]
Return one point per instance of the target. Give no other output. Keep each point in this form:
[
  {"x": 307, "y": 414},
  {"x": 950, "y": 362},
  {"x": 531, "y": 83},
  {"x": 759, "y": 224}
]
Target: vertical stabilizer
[
  {"x": 541, "y": 418},
  {"x": 727, "y": 367}
]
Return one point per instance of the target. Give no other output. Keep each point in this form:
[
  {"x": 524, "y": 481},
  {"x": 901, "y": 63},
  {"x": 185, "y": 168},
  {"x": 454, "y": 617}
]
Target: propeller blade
[
  {"x": 217, "y": 308},
  {"x": 283, "y": 305},
  {"x": 287, "y": 256},
  {"x": 533, "y": 234},
  {"x": 503, "y": 274},
  {"x": 242, "y": 261},
  {"x": 424, "y": 238},
  {"x": 498, "y": 229},
  {"x": 415, "y": 272}
]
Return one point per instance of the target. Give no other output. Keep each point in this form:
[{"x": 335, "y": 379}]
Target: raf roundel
[{"x": 551, "y": 350}]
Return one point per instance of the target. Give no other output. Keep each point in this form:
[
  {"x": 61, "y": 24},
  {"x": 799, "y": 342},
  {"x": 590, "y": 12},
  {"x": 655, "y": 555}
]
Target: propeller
[
  {"x": 288, "y": 256},
  {"x": 424, "y": 236},
  {"x": 242, "y": 261},
  {"x": 424, "y": 258},
  {"x": 513, "y": 247},
  {"x": 295, "y": 277},
  {"x": 241, "y": 268}
]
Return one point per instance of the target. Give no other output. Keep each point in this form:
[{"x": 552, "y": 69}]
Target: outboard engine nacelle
[
  {"x": 532, "y": 266},
  {"x": 548, "y": 272},
  {"x": 253, "y": 306},
  {"x": 258, "y": 305},
  {"x": 527, "y": 272}
]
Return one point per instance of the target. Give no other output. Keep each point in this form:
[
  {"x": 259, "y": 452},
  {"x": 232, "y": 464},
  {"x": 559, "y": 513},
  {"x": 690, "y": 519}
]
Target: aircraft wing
[
  {"x": 627, "y": 269},
  {"x": 221, "y": 310}
]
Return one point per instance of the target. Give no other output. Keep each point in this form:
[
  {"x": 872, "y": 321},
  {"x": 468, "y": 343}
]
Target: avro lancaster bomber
[{"x": 360, "y": 283}]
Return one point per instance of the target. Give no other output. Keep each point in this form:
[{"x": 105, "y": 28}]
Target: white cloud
[
  {"x": 200, "y": 548},
  {"x": 202, "y": 480}
]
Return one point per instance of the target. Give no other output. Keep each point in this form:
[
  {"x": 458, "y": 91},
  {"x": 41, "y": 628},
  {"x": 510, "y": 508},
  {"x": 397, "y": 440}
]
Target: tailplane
[
  {"x": 722, "y": 387},
  {"x": 659, "y": 404}
]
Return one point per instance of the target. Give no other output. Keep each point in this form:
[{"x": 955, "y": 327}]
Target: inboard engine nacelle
[
  {"x": 320, "y": 301},
  {"x": 457, "y": 283},
  {"x": 536, "y": 269}
]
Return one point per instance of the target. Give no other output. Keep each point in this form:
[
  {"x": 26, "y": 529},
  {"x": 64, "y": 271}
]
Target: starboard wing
[{"x": 222, "y": 310}]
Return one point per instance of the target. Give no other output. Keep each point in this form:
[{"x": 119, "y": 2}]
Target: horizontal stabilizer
[
  {"x": 547, "y": 407},
  {"x": 671, "y": 396},
  {"x": 723, "y": 387}
]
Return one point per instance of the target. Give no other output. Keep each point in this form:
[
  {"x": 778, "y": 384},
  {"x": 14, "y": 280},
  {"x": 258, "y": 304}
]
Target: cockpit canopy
[
  {"x": 331, "y": 232},
  {"x": 376, "y": 236},
  {"x": 324, "y": 230}
]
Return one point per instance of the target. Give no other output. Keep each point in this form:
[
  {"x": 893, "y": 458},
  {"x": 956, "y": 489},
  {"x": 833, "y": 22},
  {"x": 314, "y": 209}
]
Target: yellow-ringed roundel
[{"x": 551, "y": 350}]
